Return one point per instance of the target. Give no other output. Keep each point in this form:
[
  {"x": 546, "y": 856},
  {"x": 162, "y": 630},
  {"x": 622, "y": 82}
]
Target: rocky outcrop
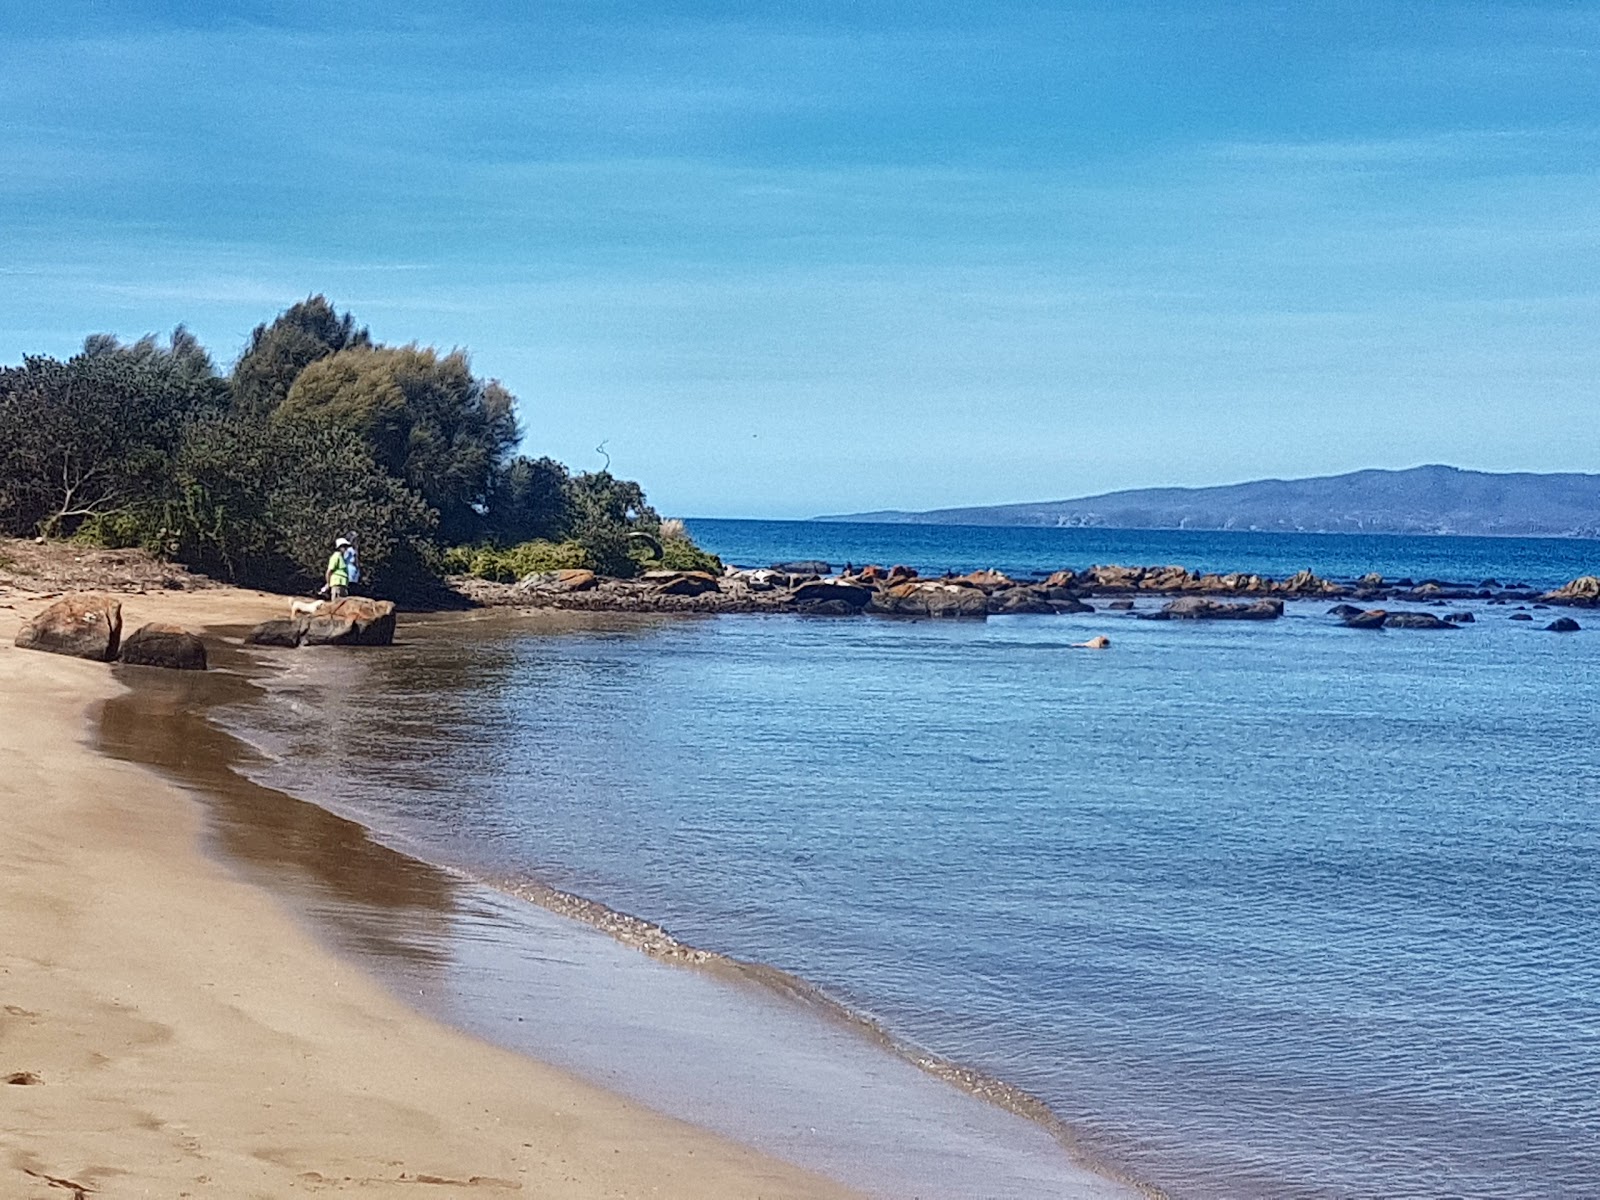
[
  {"x": 1304, "y": 583},
  {"x": 87, "y": 625},
  {"x": 681, "y": 583},
  {"x": 987, "y": 581},
  {"x": 823, "y": 591},
  {"x": 1199, "y": 608},
  {"x": 1414, "y": 620},
  {"x": 1020, "y": 601},
  {"x": 938, "y": 600},
  {"x": 1583, "y": 592},
  {"x": 1563, "y": 625},
  {"x": 574, "y": 580},
  {"x": 161, "y": 645}
]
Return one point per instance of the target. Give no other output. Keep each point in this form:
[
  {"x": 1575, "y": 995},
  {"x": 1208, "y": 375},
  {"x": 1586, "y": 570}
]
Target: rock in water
[
  {"x": 277, "y": 633},
  {"x": 85, "y": 626},
  {"x": 1583, "y": 591},
  {"x": 162, "y": 645},
  {"x": 1563, "y": 625},
  {"x": 353, "y": 621},
  {"x": 1414, "y": 620},
  {"x": 1373, "y": 618},
  {"x": 1344, "y": 611},
  {"x": 1461, "y": 618},
  {"x": 932, "y": 600},
  {"x": 1020, "y": 600},
  {"x": 1521, "y": 616},
  {"x": 1198, "y": 608}
]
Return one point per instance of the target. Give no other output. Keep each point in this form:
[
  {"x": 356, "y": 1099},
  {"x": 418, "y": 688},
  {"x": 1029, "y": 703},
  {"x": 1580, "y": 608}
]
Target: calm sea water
[{"x": 1260, "y": 910}]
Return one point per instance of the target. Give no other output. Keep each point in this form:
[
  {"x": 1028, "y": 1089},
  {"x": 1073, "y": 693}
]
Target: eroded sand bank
[{"x": 174, "y": 1034}]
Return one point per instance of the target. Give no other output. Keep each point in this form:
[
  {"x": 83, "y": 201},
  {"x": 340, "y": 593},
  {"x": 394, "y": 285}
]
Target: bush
[{"x": 516, "y": 562}]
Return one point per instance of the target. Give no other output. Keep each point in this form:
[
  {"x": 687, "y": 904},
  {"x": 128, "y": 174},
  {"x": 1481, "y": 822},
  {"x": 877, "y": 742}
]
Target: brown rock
[
  {"x": 917, "y": 599},
  {"x": 987, "y": 581},
  {"x": 681, "y": 583},
  {"x": 1583, "y": 591},
  {"x": 286, "y": 633},
  {"x": 1062, "y": 579},
  {"x": 901, "y": 574},
  {"x": 353, "y": 621},
  {"x": 162, "y": 645},
  {"x": 1200, "y": 608},
  {"x": 1019, "y": 600},
  {"x": 86, "y": 625},
  {"x": 1304, "y": 583}
]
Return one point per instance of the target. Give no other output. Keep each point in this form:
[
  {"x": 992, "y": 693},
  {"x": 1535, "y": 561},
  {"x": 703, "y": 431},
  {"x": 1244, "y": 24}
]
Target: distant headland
[{"x": 1421, "y": 500}]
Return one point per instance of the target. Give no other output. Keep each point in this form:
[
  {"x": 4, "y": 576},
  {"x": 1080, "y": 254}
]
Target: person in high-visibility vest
[{"x": 336, "y": 579}]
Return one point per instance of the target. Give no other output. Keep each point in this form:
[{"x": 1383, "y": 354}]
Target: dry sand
[{"x": 170, "y": 1032}]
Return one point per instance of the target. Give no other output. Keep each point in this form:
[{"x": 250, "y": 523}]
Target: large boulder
[
  {"x": 1583, "y": 591},
  {"x": 1199, "y": 608},
  {"x": 1414, "y": 620},
  {"x": 1563, "y": 625},
  {"x": 988, "y": 581},
  {"x": 823, "y": 591},
  {"x": 573, "y": 580},
  {"x": 917, "y": 599},
  {"x": 160, "y": 645},
  {"x": 1304, "y": 583},
  {"x": 88, "y": 625},
  {"x": 1167, "y": 579},
  {"x": 353, "y": 621},
  {"x": 1373, "y": 618},
  {"x": 283, "y": 632},
  {"x": 1020, "y": 601},
  {"x": 681, "y": 583},
  {"x": 804, "y": 567}
]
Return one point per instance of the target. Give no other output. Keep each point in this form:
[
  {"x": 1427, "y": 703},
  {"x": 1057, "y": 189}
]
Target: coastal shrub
[
  {"x": 424, "y": 418},
  {"x": 679, "y": 552},
  {"x": 279, "y": 351},
  {"x": 509, "y": 564},
  {"x": 318, "y": 431}
]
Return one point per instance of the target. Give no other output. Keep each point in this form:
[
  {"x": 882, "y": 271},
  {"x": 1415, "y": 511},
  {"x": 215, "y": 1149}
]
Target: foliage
[
  {"x": 423, "y": 416},
  {"x": 318, "y": 432},
  {"x": 277, "y": 353},
  {"x": 529, "y": 502},
  {"x": 515, "y": 562},
  {"x": 97, "y": 432}
]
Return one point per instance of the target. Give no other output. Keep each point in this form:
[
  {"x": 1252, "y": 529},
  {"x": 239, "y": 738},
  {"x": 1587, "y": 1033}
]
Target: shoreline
[
  {"x": 171, "y": 1031},
  {"x": 222, "y": 770}
]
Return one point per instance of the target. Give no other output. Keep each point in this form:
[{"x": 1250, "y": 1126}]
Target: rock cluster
[{"x": 89, "y": 625}]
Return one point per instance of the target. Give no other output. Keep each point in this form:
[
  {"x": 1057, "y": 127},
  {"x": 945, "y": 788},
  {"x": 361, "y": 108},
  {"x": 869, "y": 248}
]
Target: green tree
[
  {"x": 529, "y": 502},
  {"x": 82, "y": 438},
  {"x": 424, "y": 417},
  {"x": 262, "y": 505},
  {"x": 279, "y": 351}
]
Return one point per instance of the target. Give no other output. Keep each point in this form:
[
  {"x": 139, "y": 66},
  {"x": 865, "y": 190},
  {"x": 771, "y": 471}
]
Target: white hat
[{"x": 341, "y": 542}]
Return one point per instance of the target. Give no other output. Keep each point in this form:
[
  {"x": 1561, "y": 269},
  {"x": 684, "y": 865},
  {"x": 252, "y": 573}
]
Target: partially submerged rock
[
  {"x": 161, "y": 645},
  {"x": 1563, "y": 625},
  {"x": 353, "y": 621},
  {"x": 1583, "y": 591},
  {"x": 87, "y": 625},
  {"x": 1199, "y": 608},
  {"x": 914, "y": 599}
]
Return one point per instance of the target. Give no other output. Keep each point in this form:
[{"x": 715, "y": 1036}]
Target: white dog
[{"x": 304, "y": 608}]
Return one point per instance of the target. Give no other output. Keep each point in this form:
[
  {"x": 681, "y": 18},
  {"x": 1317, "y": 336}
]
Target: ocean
[{"x": 1253, "y": 909}]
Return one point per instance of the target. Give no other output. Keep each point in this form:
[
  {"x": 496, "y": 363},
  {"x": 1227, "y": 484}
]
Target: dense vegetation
[{"x": 318, "y": 431}]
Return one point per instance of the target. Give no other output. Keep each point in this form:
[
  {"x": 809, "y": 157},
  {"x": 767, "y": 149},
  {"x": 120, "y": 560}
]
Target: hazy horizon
[{"x": 856, "y": 258}]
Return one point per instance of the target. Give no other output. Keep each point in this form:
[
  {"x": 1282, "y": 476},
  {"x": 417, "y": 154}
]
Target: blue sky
[{"x": 786, "y": 259}]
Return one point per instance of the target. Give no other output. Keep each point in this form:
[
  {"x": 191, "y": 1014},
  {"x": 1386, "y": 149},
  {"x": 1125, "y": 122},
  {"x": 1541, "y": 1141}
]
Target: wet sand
[{"x": 167, "y": 1030}]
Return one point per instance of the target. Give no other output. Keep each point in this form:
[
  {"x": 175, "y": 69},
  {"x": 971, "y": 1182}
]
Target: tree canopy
[{"x": 317, "y": 432}]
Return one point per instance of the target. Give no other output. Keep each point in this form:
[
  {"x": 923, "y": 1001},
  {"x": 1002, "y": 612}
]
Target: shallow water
[{"x": 1258, "y": 909}]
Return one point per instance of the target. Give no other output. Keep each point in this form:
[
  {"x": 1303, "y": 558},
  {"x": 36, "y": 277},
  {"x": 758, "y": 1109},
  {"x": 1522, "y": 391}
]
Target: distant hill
[{"x": 1422, "y": 500}]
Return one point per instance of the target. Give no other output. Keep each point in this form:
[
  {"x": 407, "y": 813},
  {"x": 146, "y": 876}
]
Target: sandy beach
[{"x": 167, "y": 1031}]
